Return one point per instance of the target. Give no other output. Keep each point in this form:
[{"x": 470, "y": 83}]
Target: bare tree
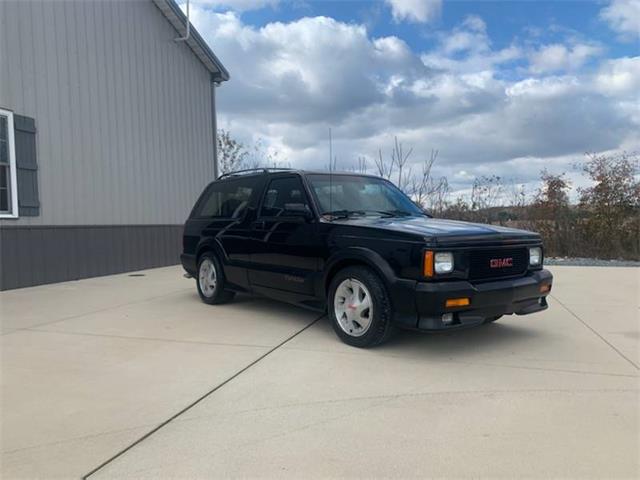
[
  {"x": 384, "y": 169},
  {"x": 426, "y": 190},
  {"x": 438, "y": 196},
  {"x": 231, "y": 153},
  {"x": 260, "y": 156},
  {"x": 518, "y": 194},
  {"x": 400, "y": 158},
  {"x": 486, "y": 192}
]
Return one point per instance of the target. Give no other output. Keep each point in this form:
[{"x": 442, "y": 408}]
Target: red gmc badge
[{"x": 501, "y": 262}]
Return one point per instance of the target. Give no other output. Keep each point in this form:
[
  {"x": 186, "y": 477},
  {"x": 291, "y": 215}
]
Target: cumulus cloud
[
  {"x": 557, "y": 57},
  {"x": 623, "y": 16},
  {"x": 619, "y": 77},
  {"x": 312, "y": 69},
  {"x": 292, "y": 81},
  {"x": 417, "y": 11},
  {"x": 467, "y": 48}
]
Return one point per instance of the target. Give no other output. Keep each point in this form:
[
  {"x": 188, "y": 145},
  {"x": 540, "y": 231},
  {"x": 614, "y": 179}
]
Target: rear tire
[
  {"x": 359, "y": 307},
  {"x": 210, "y": 280}
]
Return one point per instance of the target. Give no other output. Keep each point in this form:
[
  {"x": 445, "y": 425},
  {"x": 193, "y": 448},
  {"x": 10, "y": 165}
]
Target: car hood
[{"x": 441, "y": 231}]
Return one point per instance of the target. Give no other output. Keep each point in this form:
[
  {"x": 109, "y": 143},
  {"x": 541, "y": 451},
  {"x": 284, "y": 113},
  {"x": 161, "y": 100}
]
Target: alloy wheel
[
  {"x": 207, "y": 277},
  {"x": 353, "y": 307}
]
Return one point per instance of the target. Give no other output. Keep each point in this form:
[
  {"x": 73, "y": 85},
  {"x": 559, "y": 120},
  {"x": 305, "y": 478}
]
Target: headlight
[
  {"x": 437, "y": 263},
  {"x": 535, "y": 256},
  {"x": 443, "y": 262}
]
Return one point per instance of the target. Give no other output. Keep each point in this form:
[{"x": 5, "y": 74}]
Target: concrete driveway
[{"x": 131, "y": 377}]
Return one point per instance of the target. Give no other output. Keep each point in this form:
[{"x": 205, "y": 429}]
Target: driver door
[{"x": 285, "y": 253}]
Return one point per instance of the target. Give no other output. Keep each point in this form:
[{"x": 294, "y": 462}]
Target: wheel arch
[
  {"x": 357, "y": 256},
  {"x": 211, "y": 246}
]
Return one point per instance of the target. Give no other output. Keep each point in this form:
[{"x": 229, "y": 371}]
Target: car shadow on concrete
[
  {"x": 258, "y": 305},
  {"x": 495, "y": 337}
]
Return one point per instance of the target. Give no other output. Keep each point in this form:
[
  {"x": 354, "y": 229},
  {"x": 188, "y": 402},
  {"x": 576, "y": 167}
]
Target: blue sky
[
  {"x": 505, "y": 19},
  {"x": 506, "y": 87}
]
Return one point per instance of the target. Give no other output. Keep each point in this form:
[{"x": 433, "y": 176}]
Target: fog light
[{"x": 447, "y": 318}]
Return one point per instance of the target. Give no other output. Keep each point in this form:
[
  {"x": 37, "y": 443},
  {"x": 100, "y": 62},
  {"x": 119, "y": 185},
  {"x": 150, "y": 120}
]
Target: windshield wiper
[
  {"x": 344, "y": 213},
  {"x": 361, "y": 213},
  {"x": 394, "y": 213}
]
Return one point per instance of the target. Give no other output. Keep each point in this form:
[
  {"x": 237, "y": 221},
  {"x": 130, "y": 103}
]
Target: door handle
[{"x": 258, "y": 225}]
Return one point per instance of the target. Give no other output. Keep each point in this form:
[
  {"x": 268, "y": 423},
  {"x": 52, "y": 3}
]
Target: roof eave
[{"x": 196, "y": 43}]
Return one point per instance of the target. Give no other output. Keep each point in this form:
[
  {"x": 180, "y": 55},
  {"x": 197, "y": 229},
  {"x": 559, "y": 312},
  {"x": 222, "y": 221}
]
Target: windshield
[{"x": 341, "y": 195}]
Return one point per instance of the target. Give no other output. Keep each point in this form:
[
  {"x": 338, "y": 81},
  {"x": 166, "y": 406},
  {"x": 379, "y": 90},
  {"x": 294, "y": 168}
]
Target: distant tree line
[{"x": 604, "y": 222}]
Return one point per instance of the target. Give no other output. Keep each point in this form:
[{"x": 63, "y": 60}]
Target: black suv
[{"x": 360, "y": 248}]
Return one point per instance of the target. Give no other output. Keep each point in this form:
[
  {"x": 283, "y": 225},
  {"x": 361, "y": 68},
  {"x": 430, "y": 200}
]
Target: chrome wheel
[
  {"x": 207, "y": 277},
  {"x": 353, "y": 307}
]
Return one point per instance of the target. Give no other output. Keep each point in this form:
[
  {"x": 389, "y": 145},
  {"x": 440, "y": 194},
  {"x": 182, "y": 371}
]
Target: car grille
[{"x": 493, "y": 263}]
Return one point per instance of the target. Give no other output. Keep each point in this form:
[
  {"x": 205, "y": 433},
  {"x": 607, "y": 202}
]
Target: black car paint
[{"x": 293, "y": 259}]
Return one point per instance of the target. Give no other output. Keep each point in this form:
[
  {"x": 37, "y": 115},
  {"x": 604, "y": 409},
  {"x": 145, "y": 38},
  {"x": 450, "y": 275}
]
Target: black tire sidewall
[{"x": 381, "y": 324}]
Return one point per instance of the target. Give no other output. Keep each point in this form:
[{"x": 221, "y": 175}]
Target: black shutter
[{"x": 26, "y": 166}]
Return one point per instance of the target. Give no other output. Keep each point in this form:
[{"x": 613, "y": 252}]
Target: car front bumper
[{"x": 489, "y": 299}]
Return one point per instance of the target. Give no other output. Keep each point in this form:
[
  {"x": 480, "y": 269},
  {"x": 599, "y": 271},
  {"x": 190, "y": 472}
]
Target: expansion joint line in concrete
[
  {"x": 198, "y": 400},
  {"x": 595, "y": 332}
]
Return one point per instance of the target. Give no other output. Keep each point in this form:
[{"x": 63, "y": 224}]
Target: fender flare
[
  {"x": 212, "y": 244},
  {"x": 360, "y": 255}
]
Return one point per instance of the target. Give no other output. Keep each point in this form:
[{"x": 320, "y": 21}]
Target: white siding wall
[{"x": 123, "y": 112}]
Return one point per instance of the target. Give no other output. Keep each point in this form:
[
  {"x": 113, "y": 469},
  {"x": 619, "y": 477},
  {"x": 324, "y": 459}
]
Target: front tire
[
  {"x": 359, "y": 307},
  {"x": 210, "y": 280}
]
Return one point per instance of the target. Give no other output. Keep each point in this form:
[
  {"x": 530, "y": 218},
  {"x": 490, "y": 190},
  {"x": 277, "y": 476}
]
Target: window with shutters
[{"x": 8, "y": 178}]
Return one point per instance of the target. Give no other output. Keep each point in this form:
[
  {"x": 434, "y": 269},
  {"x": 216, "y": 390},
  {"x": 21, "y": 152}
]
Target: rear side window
[
  {"x": 284, "y": 196},
  {"x": 226, "y": 199}
]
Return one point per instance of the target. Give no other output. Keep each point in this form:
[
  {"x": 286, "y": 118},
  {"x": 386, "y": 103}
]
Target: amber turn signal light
[
  {"x": 427, "y": 264},
  {"x": 457, "y": 302},
  {"x": 545, "y": 288}
]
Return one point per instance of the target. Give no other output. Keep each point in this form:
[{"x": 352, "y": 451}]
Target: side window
[
  {"x": 8, "y": 197},
  {"x": 285, "y": 197},
  {"x": 226, "y": 199}
]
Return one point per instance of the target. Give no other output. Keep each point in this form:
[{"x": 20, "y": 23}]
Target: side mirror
[{"x": 297, "y": 210}]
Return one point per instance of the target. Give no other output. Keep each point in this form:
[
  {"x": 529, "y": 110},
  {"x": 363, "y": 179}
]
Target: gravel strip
[{"x": 589, "y": 262}]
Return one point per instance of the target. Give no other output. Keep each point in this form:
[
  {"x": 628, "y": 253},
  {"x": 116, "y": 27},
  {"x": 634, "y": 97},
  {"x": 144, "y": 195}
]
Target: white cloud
[
  {"x": 619, "y": 77},
  {"x": 623, "y": 16},
  {"x": 308, "y": 70},
  {"x": 292, "y": 81},
  {"x": 467, "y": 48},
  {"x": 558, "y": 57},
  {"x": 475, "y": 23},
  {"x": 418, "y": 11}
]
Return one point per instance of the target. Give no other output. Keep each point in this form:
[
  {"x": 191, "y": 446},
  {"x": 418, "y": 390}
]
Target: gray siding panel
[
  {"x": 46, "y": 254},
  {"x": 123, "y": 111}
]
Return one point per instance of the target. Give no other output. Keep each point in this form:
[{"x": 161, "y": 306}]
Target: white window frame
[{"x": 13, "y": 174}]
